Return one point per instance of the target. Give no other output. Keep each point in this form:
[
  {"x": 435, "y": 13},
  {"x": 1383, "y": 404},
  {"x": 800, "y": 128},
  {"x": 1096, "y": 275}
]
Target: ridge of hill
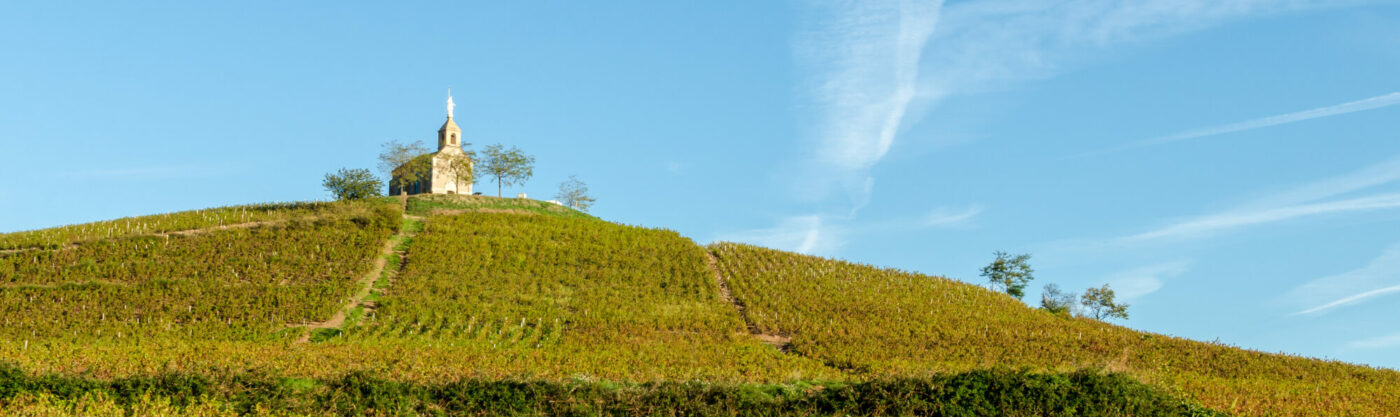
[{"x": 503, "y": 292}]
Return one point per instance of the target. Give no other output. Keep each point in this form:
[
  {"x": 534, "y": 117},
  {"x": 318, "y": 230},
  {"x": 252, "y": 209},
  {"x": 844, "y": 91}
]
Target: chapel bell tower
[{"x": 449, "y": 136}]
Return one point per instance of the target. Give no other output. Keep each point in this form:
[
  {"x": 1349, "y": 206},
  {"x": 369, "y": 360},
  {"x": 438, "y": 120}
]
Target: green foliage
[
  {"x": 978, "y": 393},
  {"x": 507, "y": 166},
  {"x": 352, "y": 184},
  {"x": 430, "y": 204},
  {"x": 1056, "y": 301},
  {"x": 1100, "y": 304},
  {"x": 574, "y": 193},
  {"x": 1010, "y": 272},
  {"x": 404, "y": 163},
  {"x": 321, "y": 335}
]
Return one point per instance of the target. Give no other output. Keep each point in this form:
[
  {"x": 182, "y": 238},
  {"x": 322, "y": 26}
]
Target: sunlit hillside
[{"x": 479, "y": 305}]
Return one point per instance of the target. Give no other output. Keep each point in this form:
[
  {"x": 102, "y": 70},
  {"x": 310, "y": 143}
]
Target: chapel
[{"x": 441, "y": 177}]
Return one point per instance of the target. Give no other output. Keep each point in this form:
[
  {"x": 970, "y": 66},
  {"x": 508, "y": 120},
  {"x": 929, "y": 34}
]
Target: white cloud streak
[
  {"x": 874, "y": 66},
  {"x": 1376, "y": 102},
  {"x": 1381, "y": 342},
  {"x": 867, "y": 57},
  {"x": 1220, "y": 222},
  {"x": 806, "y": 234},
  {"x": 1379, "y": 278},
  {"x": 1354, "y": 299},
  {"x": 1382, "y": 173},
  {"x": 945, "y": 218},
  {"x": 1136, "y": 283},
  {"x": 1344, "y": 108},
  {"x": 825, "y": 235}
]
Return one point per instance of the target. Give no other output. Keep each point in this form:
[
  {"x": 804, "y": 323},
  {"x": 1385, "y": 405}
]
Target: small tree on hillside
[
  {"x": 352, "y": 184},
  {"x": 458, "y": 166},
  {"x": 1010, "y": 272},
  {"x": 506, "y": 166},
  {"x": 1056, "y": 301},
  {"x": 1099, "y": 304},
  {"x": 574, "y": 193},
  {"x": 402, "y": 163}
]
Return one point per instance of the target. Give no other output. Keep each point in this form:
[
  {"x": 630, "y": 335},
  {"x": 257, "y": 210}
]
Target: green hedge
[{"x": 977, "y": 393}]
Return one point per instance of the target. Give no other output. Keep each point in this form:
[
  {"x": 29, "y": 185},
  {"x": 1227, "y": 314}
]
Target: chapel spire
[{"x": 450, "y": 136}]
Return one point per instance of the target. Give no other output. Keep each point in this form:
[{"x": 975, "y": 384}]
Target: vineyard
[
  {"x": 567, "y": 297},
  {"x": 222, "y": 284},
  {"x": 873, "y": 322},
  {"x": 174, "y": 222},
  {"x": 481, "y": 301}
]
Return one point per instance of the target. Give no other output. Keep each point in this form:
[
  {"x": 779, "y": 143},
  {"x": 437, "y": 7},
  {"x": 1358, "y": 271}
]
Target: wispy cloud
[
  {"x": 1353, "y": 299},
  {"x": 874, "y": 66},
  {"x": 942, "y": 217},
  {"x": 1376, "y": 102},
  {"x": 1220, "y": 222},
  {"x": 866, "y": 59},
  {"x": 825, "y": 235},
  {"x": 1381, "y": 342},
  {"x": 1382, "y": 173},
  {"x": 1136, "y": 283},
  {"x": 803, "y": 234},
  {"x": 1300, "y": 201},
  {"x": 1379, "y": 278},
  {"x": 1310, "y": 199}
]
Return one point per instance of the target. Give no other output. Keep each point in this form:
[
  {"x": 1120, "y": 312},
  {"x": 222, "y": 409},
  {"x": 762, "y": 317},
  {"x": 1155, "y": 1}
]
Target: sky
[{"x": 1230, "y": 167}]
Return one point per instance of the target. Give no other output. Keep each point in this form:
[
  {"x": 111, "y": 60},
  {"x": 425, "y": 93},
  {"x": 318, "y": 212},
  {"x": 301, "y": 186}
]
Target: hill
[{"x": 480, "y": 305}]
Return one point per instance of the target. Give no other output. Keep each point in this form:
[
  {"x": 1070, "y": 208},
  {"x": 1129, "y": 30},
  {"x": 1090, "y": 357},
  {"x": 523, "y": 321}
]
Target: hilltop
[{"x": 457, "y": 304}]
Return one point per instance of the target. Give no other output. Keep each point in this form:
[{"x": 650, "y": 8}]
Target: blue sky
[{"x": 1231, "y": 167}]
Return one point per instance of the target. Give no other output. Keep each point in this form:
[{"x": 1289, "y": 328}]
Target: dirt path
[
  {"x": 366, "y": 284},
  {"x": 187, "y": 232},
  {"x": 778, "y": 341}
]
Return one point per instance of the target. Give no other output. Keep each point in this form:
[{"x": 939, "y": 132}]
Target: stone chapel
[{"x": 440, "y": 178}]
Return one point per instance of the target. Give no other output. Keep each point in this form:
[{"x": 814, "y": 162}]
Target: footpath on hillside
[
  {"x": 187, "y": 232},
  {"x": 395, "y": 248},
  {"x": 778, "y": 341}
]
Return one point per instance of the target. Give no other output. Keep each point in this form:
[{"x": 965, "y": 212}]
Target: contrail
[
  {"x": 1344, "y": 108},
  {"x": 1352, "y": 299}
]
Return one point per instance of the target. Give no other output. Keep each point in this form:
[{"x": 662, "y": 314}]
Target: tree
[
  {"x": 458, "y": 166},
  {"x": 507, "y": 166},
  {"x": 1100, "y": 304},
  {"x": 403, "y": 163},
  {"x": 1011, "y": 272},
  {"x": 353, "y": 184},
  {"x": 574, "y": 193},
  {"x": 1056, "y": 301}
]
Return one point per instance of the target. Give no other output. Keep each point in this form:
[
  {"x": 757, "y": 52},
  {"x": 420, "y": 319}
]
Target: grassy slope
[
  {"x": 619, "y": 303},
  {"x": 884, "y": 322}
]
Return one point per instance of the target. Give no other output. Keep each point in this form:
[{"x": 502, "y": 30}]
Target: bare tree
[
  {"x": 1056, "y": 301},
  {"x": 574, "y": 193}
]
